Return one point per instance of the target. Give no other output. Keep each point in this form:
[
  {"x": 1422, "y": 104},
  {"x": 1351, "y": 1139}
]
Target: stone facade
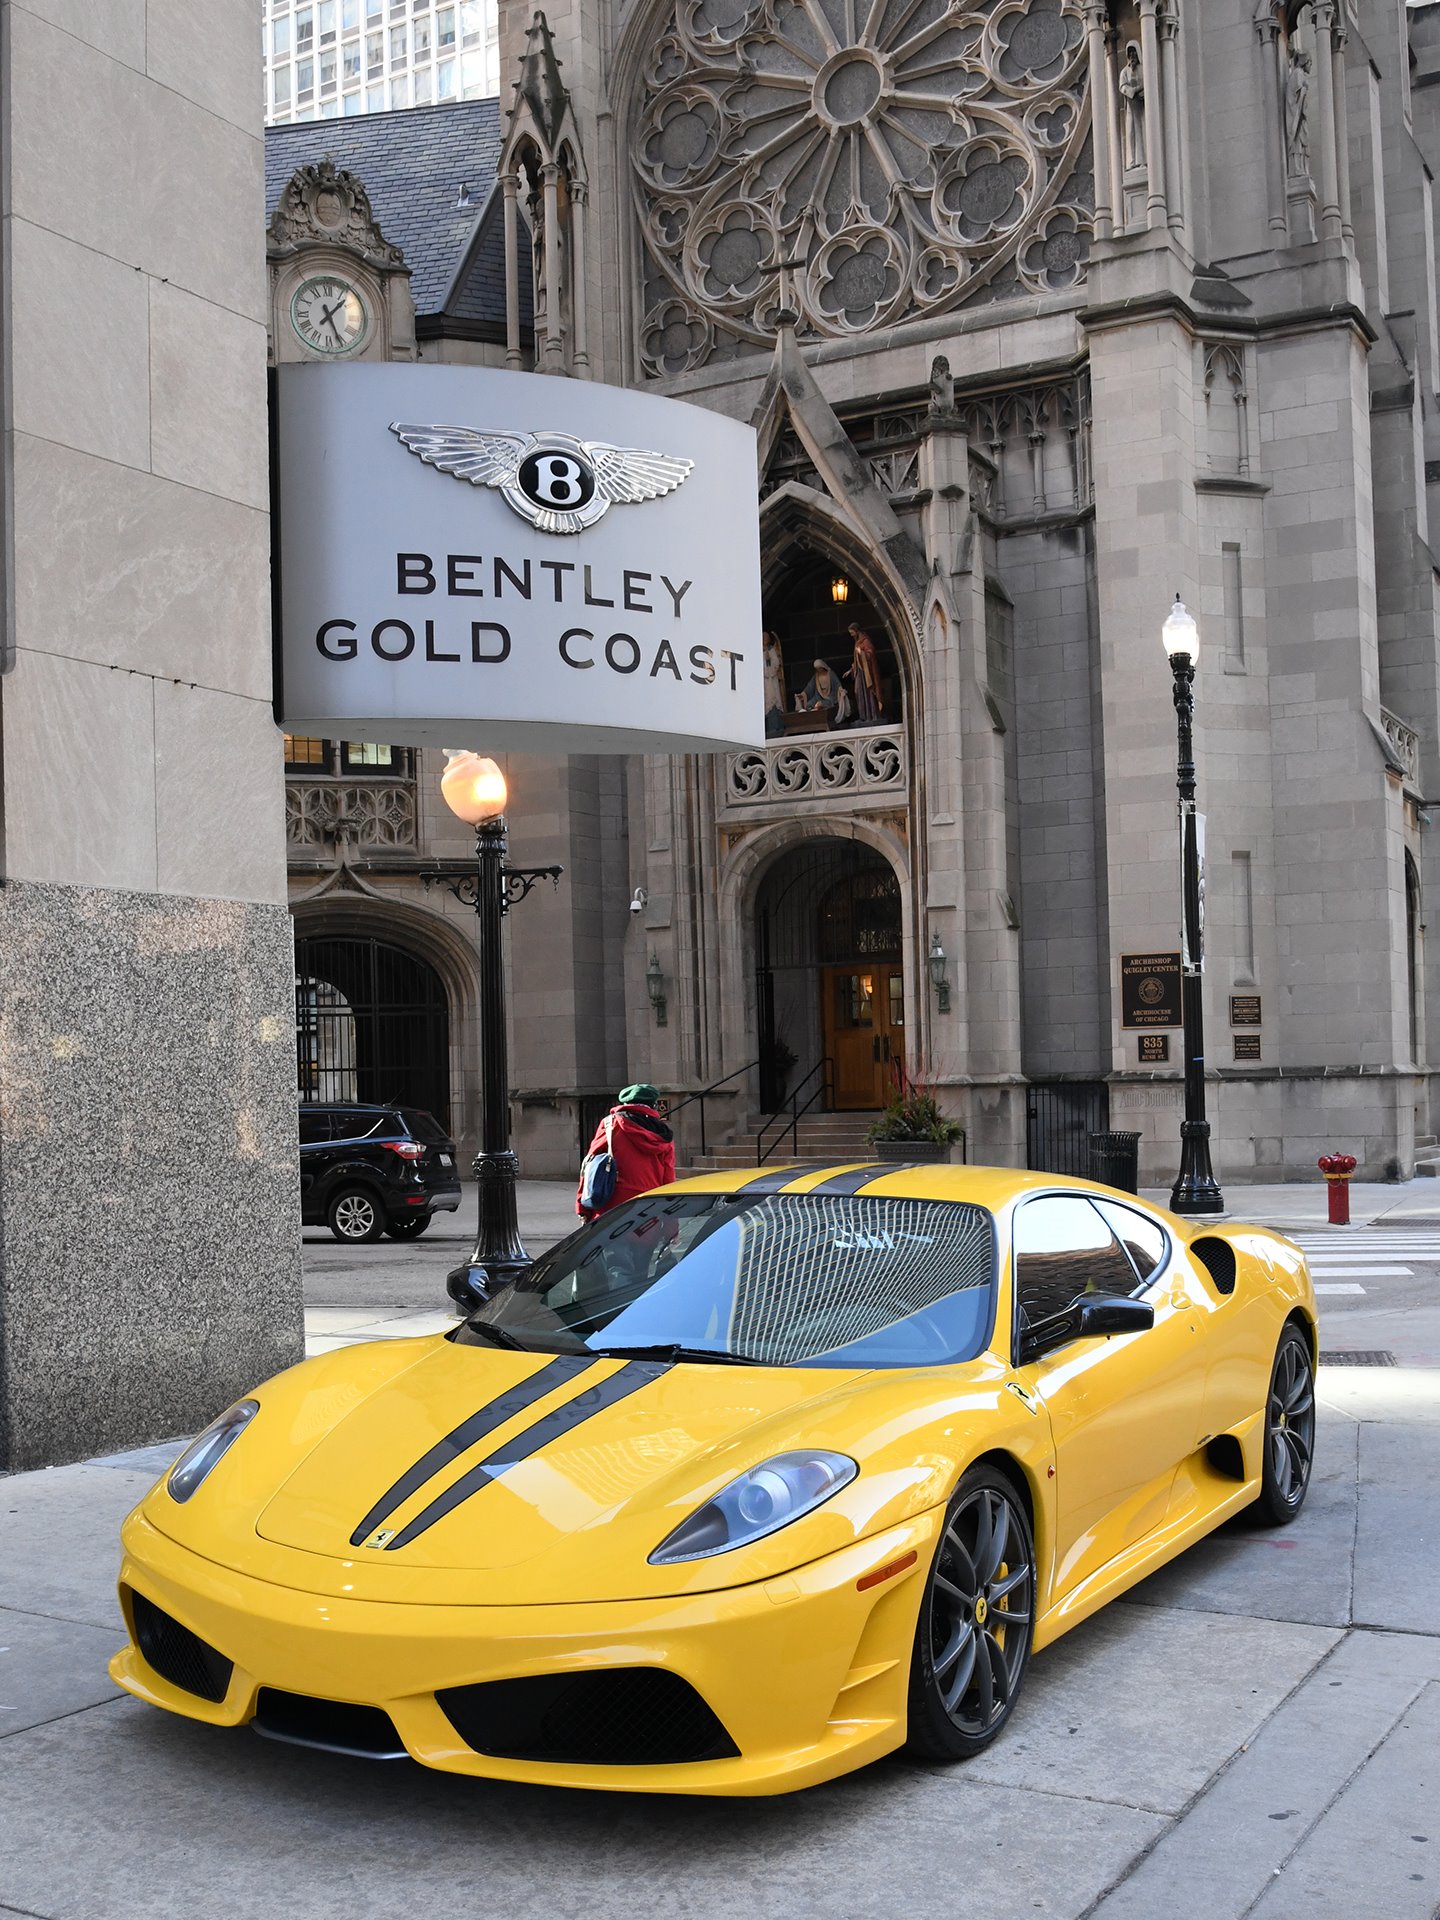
[
  {"x": 1043, "y": 311},
  {"x": 149, "y": 1265}
]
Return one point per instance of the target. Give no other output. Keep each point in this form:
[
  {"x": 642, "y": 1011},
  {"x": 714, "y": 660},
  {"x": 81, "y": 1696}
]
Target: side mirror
[
  {"x": 1113, "y": 1313},
  {"x": 468, "y": 1287},
  {"x": 1091, "y": 1315}
]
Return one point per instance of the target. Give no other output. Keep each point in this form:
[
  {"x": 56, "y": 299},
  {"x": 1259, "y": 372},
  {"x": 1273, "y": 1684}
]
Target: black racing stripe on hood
[
  {"x": 626, "y": 1380},
  {"x": 772, "y": 1182},
  {"x": 494, "y": 1413},
  {"x": 852, "y": 1181}
]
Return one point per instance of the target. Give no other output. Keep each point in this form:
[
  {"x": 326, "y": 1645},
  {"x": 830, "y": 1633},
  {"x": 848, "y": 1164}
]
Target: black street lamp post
[
  {"x": 1195, "y": 1189},
  {"x": 474, "y": 789}
]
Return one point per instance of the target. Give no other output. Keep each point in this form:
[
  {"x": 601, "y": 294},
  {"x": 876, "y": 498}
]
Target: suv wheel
[
  {"x": 409, "y": 1226},
  {"x": 355, "y": 1215}
]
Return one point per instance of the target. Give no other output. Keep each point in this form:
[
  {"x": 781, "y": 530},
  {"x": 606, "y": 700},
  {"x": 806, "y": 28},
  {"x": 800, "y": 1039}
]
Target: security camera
[{"x": 638, "y": 900}]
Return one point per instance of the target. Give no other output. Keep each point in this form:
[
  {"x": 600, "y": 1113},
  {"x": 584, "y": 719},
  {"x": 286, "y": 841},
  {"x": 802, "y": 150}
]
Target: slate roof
[{"x": 412, "y": 163}]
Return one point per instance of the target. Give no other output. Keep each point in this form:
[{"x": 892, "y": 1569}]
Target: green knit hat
[{"x": 640, "y": 1095}]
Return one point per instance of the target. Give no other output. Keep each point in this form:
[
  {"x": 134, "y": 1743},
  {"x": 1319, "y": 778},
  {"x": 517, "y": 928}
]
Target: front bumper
[{"x": 807, "y": 1673}]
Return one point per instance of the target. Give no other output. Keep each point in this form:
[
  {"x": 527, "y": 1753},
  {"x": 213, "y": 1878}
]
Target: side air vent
[
  {"x": 613, "y": 1717},
  {"x": 1218, "y": 1259},
  {"x": 177, "y": 1654}
]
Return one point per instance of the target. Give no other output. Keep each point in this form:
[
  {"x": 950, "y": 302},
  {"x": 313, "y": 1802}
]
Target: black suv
[{"x": 365, "y": 1171}]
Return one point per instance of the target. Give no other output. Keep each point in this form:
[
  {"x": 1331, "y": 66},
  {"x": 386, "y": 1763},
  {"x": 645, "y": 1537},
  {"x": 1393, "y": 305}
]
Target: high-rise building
[{"x": 330, "y": 58}]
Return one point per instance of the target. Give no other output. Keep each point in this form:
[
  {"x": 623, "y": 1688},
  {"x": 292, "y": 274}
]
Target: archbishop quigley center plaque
[{"x": 1150, "y": 990}]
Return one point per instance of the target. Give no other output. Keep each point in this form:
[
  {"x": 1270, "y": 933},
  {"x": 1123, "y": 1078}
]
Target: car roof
[{"x": 990, "y": 1187}]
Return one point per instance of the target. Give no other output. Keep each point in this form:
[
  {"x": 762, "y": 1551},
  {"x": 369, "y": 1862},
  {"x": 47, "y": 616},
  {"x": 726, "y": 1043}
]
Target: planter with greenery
[{"x": 912, "y": 1127}]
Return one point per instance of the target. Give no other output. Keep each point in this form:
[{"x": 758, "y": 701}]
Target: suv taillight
[{"x": 407, "y": 1149}]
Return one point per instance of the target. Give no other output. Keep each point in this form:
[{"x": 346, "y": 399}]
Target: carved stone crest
[{"x": 323, "y": 205}]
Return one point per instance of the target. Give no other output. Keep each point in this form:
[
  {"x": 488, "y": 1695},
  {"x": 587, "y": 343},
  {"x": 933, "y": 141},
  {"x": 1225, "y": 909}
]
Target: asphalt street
[{"x": 1253, "y": 1734}]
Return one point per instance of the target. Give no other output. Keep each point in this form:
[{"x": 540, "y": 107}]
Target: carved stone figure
[
  {"x": 864, "y": 677},
  {"x": 1297, "y": 112},
  {"x": 1132, "y": 106},
  {"x": 942, "y": 386},
  {"x": 774, "y": 686}
]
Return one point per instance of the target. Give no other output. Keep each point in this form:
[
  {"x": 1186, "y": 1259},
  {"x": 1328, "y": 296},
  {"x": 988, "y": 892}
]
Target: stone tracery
[{"x": 894, "y": 157}]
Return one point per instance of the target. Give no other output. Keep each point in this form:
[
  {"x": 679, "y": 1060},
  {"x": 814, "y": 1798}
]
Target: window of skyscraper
[
  {"x": 304, "y": 29},
  {"x": 422, "y": 40},
  {"x": 445, "y": 27},
  {"x": 374, "y": 55},
  {"x": 399, "y": 47},
  {"x": 327, "y": 70},
  {"x": 423, "y": 85},
  {"x": 352, "y": 103},
  {"x": 375, "y": 99},
  {"x": 470, "y": 22},
  {"x": 280, "y": 84},
  {"x": 327, "y": 21},
  {"x": 350, "y": 59},
  {"x": 349, "y": 15},
  {"x": 445, "y": 80},
  {"x": 280, "y": 37}
]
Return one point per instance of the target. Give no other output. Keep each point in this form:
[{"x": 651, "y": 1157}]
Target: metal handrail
[
  {"x": 700, "y": 1095},
  {"x": 825, "y": 1067}
]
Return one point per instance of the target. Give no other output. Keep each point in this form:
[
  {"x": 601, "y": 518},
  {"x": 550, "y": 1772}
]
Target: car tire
[
  {"x": 1289, "y": 1431},
  {"x": 408, "y": 1226},
  {"x": 966, "y": 1671},
  {"x": 355, "y": 1216}
]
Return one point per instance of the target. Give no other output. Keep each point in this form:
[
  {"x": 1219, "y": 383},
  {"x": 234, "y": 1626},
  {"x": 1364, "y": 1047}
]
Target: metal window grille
[
  {"x": 371, "y": 1024},
  {"x": 1060, "y": 1118}
]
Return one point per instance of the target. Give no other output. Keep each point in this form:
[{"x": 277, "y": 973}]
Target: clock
[{"x": 329, "y": 314}]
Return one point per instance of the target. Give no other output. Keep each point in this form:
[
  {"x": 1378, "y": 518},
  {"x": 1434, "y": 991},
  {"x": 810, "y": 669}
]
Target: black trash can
[{"x": 1115, "y": 1160}]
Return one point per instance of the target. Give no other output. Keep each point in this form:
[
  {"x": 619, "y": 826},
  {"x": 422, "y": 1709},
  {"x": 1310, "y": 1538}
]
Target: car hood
[{"x": 556, "y": 1479}]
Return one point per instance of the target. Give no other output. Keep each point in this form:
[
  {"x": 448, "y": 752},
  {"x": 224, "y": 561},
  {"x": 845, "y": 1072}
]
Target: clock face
[{"x": 329, "y": 315}]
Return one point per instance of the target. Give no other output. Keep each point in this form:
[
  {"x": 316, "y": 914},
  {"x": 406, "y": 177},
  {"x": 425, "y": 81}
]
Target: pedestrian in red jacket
[{"x": 643, "y": 1146}]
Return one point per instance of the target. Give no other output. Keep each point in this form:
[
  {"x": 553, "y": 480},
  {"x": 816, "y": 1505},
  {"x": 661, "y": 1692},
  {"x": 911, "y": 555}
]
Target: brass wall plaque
[
  {"x": 1154, "y": 1047},
  {"x": 1244, "y": 1009},
  {"x": 1150, "y": 990},
  {"x": 1247, "y": 1046}
]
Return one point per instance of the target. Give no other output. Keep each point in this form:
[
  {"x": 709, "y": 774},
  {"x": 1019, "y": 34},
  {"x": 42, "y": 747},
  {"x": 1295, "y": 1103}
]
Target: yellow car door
[{"x": 1124, "y": 1410}]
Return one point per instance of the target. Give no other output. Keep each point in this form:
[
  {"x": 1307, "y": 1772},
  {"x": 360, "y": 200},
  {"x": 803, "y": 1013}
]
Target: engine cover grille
[{"x": 611, "y": 1717}]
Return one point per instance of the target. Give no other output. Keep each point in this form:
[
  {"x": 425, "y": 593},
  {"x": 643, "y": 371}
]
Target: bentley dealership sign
[{"x": 503, "y": 560}]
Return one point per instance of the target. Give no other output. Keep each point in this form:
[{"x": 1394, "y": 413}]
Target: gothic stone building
[{"x": 1043, "y": 311}]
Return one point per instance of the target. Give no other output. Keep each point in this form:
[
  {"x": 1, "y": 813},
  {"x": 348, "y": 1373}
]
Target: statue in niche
[
  {"x": 1132, "y": 107},
  {"x": 824, "y": 694},
  {"x": 1297, "y": 112},
  {"x": 775, "y": 701},
  {"x": 863, "y": 674}
]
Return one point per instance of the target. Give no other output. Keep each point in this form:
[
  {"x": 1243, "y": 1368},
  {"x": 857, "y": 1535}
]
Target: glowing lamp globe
[
  {"x": 473, "y": 788},
  {"x": 1180, "y": 633}
]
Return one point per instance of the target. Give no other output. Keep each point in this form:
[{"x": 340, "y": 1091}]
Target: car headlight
[
  {"x": 206, "y": 1452},
  {"x": 761, "y": 1501}
]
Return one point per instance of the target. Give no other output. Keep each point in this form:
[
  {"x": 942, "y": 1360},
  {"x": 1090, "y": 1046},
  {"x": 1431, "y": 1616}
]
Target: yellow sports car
[{"x": 749, "y": 1482}]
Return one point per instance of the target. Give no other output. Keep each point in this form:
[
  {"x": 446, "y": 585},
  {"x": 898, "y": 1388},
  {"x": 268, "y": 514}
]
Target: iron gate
[
  {"x": 1060, "y": 1118},
  {"x": 371, "y": 1023}
]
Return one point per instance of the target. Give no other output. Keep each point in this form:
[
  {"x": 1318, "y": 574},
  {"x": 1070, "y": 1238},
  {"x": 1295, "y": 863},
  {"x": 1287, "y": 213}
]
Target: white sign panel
[{"x": 512, "y": 561}]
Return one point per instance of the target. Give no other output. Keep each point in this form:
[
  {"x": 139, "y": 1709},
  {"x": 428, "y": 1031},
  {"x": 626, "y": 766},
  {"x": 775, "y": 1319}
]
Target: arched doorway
[
  {"x": 829, "y": 978},
  {"x": 372, "y": 1023}
]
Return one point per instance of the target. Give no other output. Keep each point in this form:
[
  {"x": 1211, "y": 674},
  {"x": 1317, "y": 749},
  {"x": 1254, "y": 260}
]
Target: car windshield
[{"x": 799, "y": 1280}]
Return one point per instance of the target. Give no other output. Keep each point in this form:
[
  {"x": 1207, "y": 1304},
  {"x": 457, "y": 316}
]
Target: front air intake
[
  {"x": 611, "y": 1717},
  {"x": 177, "y": 1654},
  {"x": 335, "y": 1726}
]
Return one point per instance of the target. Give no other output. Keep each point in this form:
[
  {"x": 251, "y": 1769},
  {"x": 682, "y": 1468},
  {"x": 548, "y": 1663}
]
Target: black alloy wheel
[
  {"x": 1289, "y": 1430},
  {"x": 972, "y": 1643},
  {"x": 408, "y": 1226},
  {"x": 355, "y": 1216}
]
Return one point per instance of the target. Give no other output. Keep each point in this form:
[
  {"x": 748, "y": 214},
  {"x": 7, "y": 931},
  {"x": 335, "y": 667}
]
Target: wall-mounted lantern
[
  {"x": 839, "y": 589},
  {"x": 655, "y": 987},
  {"x": 939, "y": 975}
]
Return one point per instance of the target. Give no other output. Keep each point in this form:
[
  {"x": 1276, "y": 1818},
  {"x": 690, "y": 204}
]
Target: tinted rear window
[{"x": 424, "y": 1126}]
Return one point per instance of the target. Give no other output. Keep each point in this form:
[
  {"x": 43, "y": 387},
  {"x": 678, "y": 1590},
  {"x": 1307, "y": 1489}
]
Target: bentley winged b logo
[{"x": 556, "y": 482}]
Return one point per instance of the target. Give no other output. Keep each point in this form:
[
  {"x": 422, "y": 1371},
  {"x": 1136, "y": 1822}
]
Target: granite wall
[{"x": 149, "y": 1210}]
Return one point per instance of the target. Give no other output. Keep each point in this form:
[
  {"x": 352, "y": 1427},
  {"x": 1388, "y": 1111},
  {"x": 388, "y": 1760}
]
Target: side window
[
  {"x": 1063, "y": 1249},
  {"x": 1143, "y": 1239},
  {"x": 314, "y": 1126}
]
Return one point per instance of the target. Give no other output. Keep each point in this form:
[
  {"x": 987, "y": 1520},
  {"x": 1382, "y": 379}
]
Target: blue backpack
[{"x": 599, "y": 1174}]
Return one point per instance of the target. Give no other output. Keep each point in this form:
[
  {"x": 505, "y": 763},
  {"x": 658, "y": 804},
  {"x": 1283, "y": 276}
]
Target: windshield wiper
[
  {"x": 503, "y": 1337},
  {"x": 718, "y": 1356}
]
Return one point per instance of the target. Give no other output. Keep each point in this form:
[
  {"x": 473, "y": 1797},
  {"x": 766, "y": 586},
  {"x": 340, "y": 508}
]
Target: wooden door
[{"x": 864, "y": 1009}]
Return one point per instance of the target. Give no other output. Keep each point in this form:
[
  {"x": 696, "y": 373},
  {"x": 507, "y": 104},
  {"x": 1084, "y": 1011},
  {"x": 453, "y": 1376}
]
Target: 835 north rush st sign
[{"x": 473, "y": 557}]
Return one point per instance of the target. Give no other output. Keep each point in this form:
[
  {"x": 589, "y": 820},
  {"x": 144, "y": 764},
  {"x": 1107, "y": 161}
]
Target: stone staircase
[
  {"x": 826, "y": 1139},
  {"x": 1427, "y": 1156}
]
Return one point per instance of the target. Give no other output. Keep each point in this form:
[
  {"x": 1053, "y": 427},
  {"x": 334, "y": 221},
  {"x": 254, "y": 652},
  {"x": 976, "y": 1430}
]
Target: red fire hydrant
[{"x": 1337, "y": 1169}]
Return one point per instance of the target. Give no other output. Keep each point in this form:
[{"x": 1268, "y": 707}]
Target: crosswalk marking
[
  {"x": 1329, "y": 1287},
  {"x": 1358, "y": 1270}
]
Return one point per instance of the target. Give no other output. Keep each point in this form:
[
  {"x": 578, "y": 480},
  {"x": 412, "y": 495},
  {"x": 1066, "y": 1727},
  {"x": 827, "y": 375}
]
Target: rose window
[{"x": 899, "y": 157}]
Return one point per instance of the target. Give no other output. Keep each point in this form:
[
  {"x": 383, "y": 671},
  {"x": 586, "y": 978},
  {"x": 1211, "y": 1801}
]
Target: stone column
[
  {"x": 512, "y": 273},
  {"x": 1108, "y": 212},
  {"x": 1112, "y": 129},
  {"x": 1330, "y": 224},
  {"x": 1342, "y": 127},
  {"x": 1155, "y": 133},
  {"x": 1169, "y": 25},
  {"x": 553, "y": 350},
  {"x": 1273, "y": 111},
  {"x": 579, "y": 196}
]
